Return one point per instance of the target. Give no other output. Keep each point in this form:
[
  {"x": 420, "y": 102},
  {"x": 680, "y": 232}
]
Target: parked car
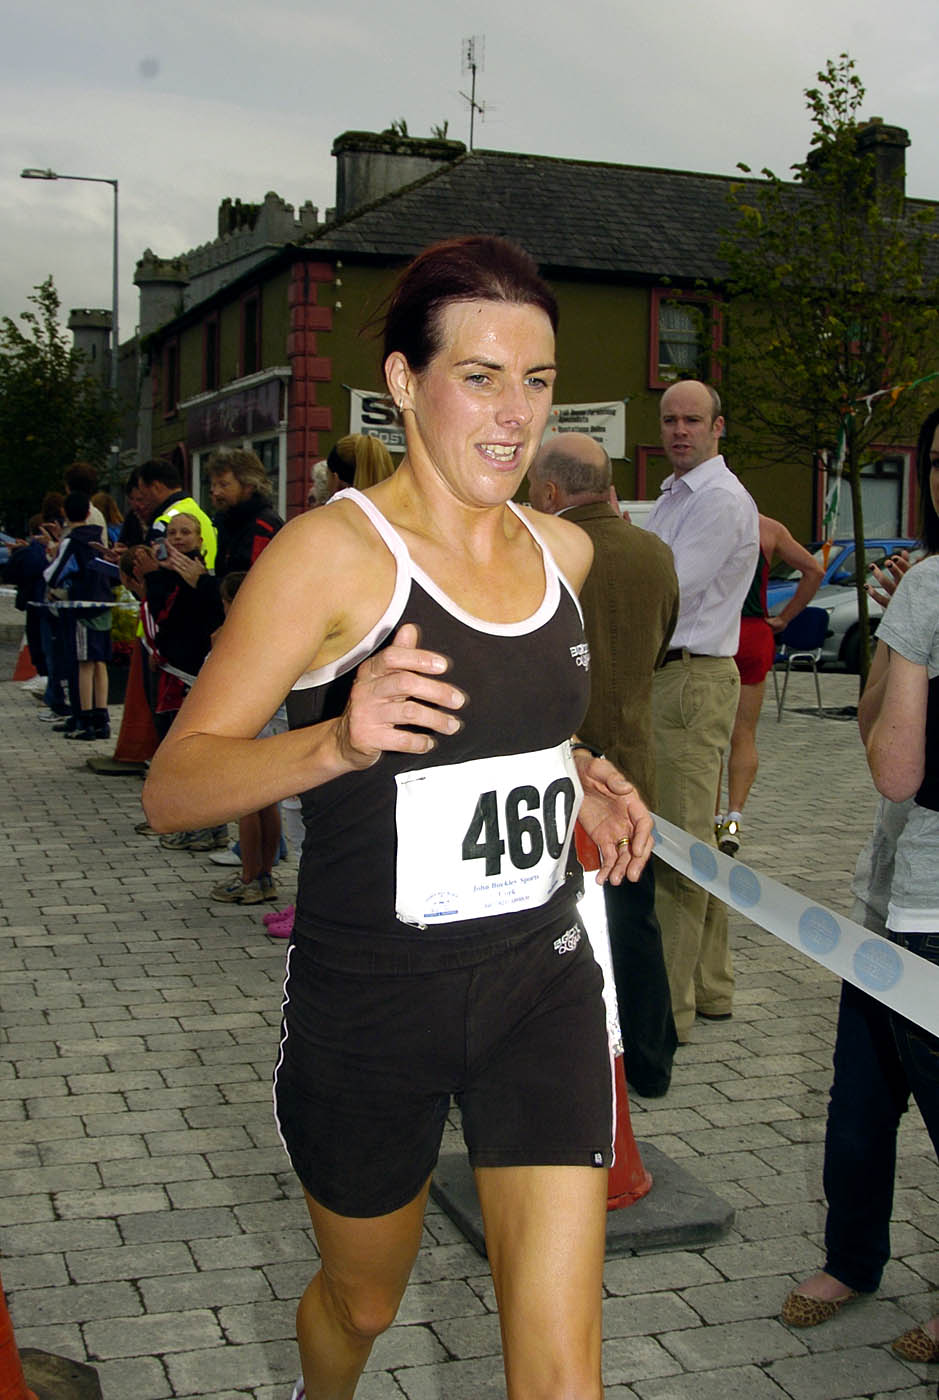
[{"x": 838, "y": 594}]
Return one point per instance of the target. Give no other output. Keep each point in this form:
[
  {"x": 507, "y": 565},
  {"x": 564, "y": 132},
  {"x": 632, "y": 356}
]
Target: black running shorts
[{"x": 368, "y": 1063}]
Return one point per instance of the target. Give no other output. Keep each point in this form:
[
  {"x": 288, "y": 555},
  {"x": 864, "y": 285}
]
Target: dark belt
[{"x": 677, "y": 653}]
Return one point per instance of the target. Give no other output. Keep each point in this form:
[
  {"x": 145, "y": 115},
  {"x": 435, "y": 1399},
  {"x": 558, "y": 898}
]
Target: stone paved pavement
[{"x": 149, "y": 1224}]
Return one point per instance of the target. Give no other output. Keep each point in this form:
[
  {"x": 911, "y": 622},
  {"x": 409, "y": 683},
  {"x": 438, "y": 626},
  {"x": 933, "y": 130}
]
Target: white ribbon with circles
[{"x": 892, "y": 975}]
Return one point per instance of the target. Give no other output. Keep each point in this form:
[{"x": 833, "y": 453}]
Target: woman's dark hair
[
  {"x": 927, "y": 509},
  {"x": 475, "y": 268},
  {"x": 53, "y": 506}
]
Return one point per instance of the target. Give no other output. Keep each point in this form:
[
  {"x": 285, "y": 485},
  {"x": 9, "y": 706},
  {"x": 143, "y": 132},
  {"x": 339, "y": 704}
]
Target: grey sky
[{"x": 188, "y": 101}]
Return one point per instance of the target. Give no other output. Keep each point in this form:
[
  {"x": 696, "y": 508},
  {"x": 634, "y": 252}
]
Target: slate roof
[
  {"x": 625, "y": 221},
  {"x": 584, "y": 216}
]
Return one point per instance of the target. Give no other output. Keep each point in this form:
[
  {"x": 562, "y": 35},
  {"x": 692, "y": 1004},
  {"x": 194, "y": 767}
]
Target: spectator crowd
[{"x": 95, "y": 584}]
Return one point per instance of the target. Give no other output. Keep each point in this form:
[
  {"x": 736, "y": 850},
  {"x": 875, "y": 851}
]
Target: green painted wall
[
  {"x": 603, "y": 354},
  {"x": 354, "y": 347}
]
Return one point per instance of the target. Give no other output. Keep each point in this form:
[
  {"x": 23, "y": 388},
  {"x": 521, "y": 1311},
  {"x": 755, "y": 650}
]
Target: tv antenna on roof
[{"x": 473, "y": 61}]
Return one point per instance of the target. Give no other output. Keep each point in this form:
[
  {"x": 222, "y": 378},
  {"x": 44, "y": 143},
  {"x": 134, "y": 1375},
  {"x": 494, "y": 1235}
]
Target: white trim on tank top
[{"x": 407, "y": 571}]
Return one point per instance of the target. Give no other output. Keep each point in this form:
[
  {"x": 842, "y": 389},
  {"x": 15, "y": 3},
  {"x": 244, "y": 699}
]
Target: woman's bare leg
[
  {"x": 743, "y": 759},
  {"x": 546, "y": 1236},
  {"x": 365, "y": 1266}
]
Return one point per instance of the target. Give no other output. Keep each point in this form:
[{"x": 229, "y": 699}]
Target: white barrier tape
[
  {"x": 58, "y": 604},
  {"x": 180, "y": 675},
  {"x": 891, "y": 974}
]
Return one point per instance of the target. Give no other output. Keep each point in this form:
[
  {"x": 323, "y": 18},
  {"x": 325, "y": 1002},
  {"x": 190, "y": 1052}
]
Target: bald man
[
  {"x": 711, "y": 523},
  {"x": 630, "y": 603}
]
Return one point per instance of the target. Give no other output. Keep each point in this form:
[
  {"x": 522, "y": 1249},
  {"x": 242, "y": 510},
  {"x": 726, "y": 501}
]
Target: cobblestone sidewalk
[{"x": 149, "y": 1223}]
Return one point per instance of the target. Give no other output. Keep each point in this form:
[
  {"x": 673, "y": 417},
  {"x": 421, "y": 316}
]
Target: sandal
[
  {"x": 917, "y": 1345},
  {"x": 799, "y": 1310}
]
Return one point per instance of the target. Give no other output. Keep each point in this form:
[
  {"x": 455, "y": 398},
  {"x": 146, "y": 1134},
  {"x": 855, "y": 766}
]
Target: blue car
[{"x": 837, "y": 594}]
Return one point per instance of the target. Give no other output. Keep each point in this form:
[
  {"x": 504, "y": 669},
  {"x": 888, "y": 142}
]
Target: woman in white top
[{"x": 881, "y": 1059}]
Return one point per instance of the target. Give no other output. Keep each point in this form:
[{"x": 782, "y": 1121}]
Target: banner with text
[
  {"x": 374, "y": 415},
  {"x": 606, "y": 422}
]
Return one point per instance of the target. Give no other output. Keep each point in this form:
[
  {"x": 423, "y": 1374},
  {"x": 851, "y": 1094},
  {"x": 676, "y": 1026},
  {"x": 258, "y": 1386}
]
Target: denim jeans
[
  {"x": 880, "y": 1059},
  {"x": 55, "y": 696}
]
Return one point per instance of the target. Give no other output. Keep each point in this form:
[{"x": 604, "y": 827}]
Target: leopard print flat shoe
[
  {"x": 916, "y": 1345},
  {"x": 799, "y": 1310}
]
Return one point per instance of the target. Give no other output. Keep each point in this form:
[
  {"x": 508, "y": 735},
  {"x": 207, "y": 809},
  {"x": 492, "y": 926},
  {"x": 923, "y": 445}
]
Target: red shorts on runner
[{"x": 756, "y": 650}]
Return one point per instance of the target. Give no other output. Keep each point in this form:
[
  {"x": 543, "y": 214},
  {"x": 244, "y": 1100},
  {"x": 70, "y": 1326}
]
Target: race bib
[{"x": 485, "y": 837}]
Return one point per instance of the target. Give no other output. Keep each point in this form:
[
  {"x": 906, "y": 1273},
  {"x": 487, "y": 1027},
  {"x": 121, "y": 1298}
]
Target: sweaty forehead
[{"x": 491, "y": 328}]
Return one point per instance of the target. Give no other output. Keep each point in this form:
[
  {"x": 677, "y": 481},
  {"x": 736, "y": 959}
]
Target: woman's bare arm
[
  {"x": 896, "y": 741},
  {"x": 870, "y": 702},
  {"x": 289, "y": 617}
]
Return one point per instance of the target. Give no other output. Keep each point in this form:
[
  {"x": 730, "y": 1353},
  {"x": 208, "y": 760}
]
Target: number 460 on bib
[{"x": 531, "y": 823}]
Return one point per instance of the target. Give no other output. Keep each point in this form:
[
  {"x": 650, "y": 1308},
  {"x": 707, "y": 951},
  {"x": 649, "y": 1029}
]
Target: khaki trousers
[{"x": 694, "y": 701}]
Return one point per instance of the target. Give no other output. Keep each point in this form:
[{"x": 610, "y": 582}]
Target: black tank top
[
  {"x": 754, "y": 604},
  {"x": 928, "y": 795},
  {"x": 527, "y": 685}
]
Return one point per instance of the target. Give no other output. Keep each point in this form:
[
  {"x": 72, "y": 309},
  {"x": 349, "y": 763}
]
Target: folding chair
[{"x": 801, "y": 641}]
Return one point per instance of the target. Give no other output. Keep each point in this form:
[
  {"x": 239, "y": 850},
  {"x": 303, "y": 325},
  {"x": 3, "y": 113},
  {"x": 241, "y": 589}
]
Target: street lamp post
[{"x": 32, "y": 174}]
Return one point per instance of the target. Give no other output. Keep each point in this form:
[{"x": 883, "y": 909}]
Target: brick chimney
[{"x": 888, "y": 145}]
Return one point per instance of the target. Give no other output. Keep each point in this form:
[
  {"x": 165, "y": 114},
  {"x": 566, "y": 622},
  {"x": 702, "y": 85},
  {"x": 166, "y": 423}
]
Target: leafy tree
[
  {"x": 833, "y": 301},
  {"x": 51, "y": 412}
]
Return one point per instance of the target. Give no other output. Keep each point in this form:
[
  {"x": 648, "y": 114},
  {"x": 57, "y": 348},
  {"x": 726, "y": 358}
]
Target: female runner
[{"x": 434, "y": 655}]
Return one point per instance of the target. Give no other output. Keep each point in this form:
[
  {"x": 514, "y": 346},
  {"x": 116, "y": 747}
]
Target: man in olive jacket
[{"x": 630, "y": 605}]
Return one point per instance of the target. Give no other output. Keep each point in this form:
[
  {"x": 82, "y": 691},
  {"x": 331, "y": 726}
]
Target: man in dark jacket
[
  {"x": 245, "y": 520},
  {"x": 629, "y": 602}
]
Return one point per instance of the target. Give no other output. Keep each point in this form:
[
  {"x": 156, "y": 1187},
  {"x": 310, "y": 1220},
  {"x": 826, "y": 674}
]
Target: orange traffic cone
[
  {"x": 24, "y": 669},
  {"x": 629, "y": 1180},
  {"x": 12, "y": 1381},
  {"x": 137, "y": 740}
]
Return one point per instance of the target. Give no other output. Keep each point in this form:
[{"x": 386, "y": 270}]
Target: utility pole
[{"x": 473, "y": 60}]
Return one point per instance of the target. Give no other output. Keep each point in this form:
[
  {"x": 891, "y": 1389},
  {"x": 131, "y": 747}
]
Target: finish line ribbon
[
  {"x": 63, "y": 604},
  {"x": 892, "y": 975}
]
